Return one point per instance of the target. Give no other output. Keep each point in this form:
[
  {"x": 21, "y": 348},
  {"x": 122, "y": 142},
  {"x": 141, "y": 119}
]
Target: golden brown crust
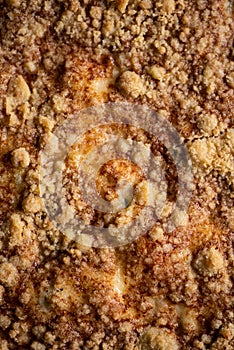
[{"x": 163, "y": 291}]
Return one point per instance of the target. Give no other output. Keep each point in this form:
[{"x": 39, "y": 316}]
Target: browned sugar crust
[{"x": 163, "y": 291}]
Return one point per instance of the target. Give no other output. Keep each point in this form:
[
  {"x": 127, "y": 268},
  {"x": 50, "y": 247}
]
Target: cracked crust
[{"x": 163, "y": 291}]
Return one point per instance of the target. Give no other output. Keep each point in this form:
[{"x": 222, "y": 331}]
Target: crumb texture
[{"x": 164, "y": 291}]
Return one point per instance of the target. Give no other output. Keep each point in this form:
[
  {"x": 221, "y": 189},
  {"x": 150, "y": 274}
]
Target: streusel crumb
[{"x": 164, "y": 291}]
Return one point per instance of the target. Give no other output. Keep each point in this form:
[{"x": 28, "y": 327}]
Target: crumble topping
[
  {"x": 131, "y": 84},
  {"x": 159, "y": 339},
  {"x": 21, "y": 157},
  {"x": 163, "y": 291},
  {"x": 8, "y": 274}
]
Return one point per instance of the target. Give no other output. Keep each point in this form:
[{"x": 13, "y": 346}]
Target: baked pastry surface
[{"x": 164, "y": 290}]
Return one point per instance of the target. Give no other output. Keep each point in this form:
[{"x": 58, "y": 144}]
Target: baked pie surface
[{"x": 164, "y": 290}]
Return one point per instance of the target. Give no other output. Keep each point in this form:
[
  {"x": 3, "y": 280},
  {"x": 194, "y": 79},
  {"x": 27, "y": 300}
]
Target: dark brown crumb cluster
[{"x": 163, "y": 291}]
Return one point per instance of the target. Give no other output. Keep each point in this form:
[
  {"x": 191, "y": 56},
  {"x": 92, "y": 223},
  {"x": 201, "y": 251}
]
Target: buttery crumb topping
[{"x": 164, "y": 291}]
